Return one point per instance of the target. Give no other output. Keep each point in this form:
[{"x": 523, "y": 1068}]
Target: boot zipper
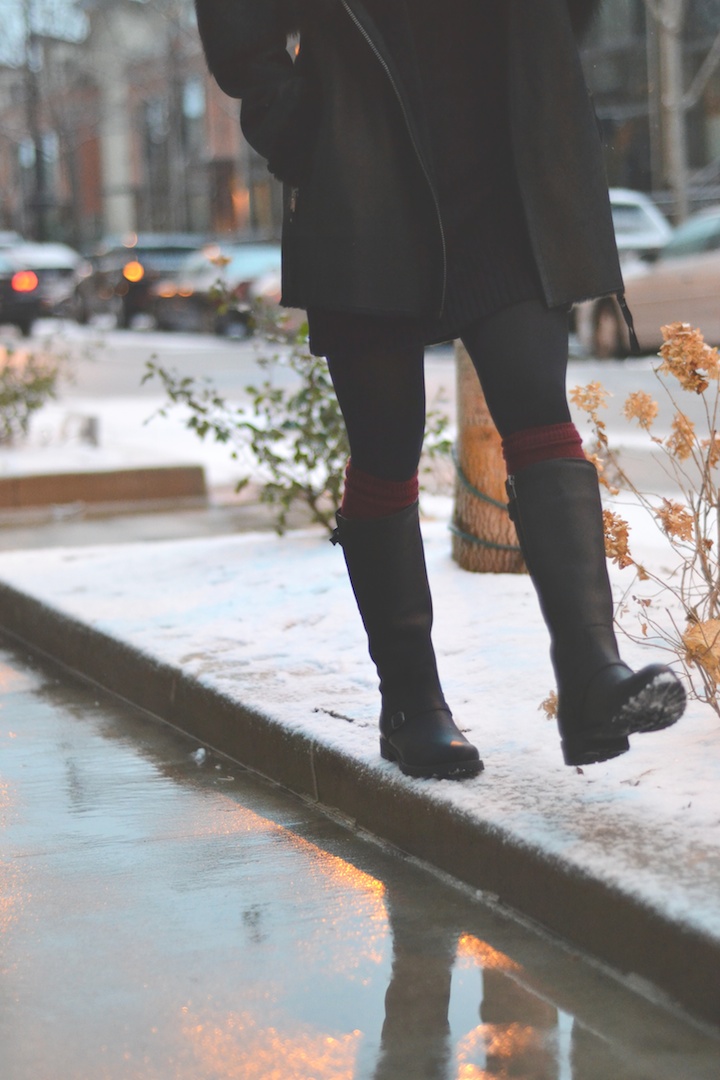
[{"x": 418, "y": 153}]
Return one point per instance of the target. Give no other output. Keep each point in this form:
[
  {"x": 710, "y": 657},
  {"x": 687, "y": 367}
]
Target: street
[
  {"x": 166, "y": 914},
  {"x": 107, "y": 363},
  {"x": 104, "y": 369}
]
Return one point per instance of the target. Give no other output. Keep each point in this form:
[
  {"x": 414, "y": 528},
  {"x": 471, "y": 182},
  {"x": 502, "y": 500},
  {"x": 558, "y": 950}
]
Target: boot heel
[
  {"x": 578, "y": 749},
  {"x": 386, "y": 750}
]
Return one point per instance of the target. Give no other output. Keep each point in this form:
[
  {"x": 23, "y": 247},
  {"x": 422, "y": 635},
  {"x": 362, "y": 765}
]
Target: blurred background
[
  {"x": 109, "y": 123},
  {"x": 113, "y": 137}
]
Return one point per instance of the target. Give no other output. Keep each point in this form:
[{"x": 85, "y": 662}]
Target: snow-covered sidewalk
[{"x": 252, "y": 643}]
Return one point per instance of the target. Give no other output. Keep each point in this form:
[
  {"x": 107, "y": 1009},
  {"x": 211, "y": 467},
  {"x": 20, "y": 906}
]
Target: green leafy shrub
[
  {"x": 27, "y": 382},
  {"x": 296, "y": 437}
]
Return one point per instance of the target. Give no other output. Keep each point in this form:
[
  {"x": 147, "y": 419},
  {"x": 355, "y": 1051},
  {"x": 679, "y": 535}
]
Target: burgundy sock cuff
[
  {"x": 524, "y": 448},
  {"x": 367, "y": 496}
]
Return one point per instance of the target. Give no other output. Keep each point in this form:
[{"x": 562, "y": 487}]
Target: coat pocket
[{"x": 279, "y": 120}]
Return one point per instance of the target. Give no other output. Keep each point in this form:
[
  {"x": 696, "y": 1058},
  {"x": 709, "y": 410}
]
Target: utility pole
[
  {"x": 670, "y": 19},
  {"x": 177, "y": 151},
  {"x": 33, "y": 66}
]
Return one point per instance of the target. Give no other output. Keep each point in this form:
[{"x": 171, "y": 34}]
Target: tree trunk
[{"x": 484, "y": 537}]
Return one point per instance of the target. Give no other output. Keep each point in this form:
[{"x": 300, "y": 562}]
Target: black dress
[{"x": 457, "y": 61}]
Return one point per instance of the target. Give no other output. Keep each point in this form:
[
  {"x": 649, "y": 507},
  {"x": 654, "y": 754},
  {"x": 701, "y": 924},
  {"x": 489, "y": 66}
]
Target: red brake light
[{"x": 24, "y": 281}]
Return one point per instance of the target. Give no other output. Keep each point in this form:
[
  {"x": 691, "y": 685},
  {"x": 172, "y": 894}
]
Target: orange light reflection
[
  {"x": 241, "y": 1049},
  {"x": 12, "y": 883},
  {"x": 505, "y": 1043},
  {"x": 473, "y": 950}
]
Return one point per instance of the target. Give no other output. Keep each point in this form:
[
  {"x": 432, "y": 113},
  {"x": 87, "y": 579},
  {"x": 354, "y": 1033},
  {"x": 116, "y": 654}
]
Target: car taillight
[
  {"x": 133, "y": 271},
  {"x": 24, "y": 281}
]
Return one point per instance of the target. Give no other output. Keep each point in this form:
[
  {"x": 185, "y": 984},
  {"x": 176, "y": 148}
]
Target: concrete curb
[
  {"x": 169, "y": 482},
  {"x": 614, "y": 926}
]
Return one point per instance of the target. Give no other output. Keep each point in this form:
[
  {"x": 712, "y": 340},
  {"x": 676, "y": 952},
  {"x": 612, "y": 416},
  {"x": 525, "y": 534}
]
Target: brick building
[{"x": 126, "y": 131}]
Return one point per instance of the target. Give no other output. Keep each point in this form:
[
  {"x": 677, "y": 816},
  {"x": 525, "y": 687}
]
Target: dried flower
[
  {"x": 686, "y": 356},
  {"x": 711, "y": 447},
  {"x": 590, "y": 398},
  {"x": 549, "y": 706},
  {"x": 616, "y": 539},
  {"x": 682, "y": 440},
  {"x": 641, "y": 407},
  {"x": 676, "y": 520},
  {"x": 597, "y": 461},
  {"x": 702, "y": 647}
]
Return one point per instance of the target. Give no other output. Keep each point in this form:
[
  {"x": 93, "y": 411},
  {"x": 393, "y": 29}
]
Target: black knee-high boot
[
  {"x": 386, "y": 564},
  {"x": 558, "y": 514}
]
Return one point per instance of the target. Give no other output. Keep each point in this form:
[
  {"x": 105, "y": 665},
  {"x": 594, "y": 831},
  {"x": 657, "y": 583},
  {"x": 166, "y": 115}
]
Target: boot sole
[
  {"x": 657, "y": 706},
  {"x": 449, "y": 770}
]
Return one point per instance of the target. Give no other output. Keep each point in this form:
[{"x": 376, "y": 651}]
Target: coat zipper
[
  {"x": 383, "y": 63},
  {"x": 635, "y": 349}
]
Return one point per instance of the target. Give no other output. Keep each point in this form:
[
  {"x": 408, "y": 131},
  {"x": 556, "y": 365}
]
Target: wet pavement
[{"x": 166, "y": 915}]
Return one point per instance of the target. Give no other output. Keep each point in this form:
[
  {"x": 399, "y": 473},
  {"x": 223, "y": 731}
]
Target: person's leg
[
  {"x": 521, "y": 356},
  {"x": 379, "y": 381}
]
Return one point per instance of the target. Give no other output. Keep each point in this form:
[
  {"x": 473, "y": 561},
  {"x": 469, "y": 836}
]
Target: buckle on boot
[{"x": 397, "y": 720}]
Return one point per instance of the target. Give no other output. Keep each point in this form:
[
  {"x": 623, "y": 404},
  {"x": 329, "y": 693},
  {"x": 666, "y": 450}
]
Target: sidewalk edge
[{"x": 614, "y": 926}]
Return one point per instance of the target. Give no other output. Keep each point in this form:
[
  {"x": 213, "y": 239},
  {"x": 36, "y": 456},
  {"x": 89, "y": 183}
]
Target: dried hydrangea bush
[{"x": 679, "y": 605}]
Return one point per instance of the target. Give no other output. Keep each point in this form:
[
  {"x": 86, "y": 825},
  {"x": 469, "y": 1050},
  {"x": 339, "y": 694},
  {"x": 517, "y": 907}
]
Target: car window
[
  {"x": 195, "y": 263},
  {"x": 693, "y": 236},
  {"x": 253, "y": 261},
  {"x": 160, "y": 259},
  {"x": 630, "y": 218},
  {"x": 46, "y": 257}
]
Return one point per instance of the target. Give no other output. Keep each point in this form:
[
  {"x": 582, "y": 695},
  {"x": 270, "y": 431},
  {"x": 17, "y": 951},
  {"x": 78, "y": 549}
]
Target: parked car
[
  {"x": 122, "y": 274},
  {"x": 680, "y": 284},
  {"x": 268, "y": 315},
  {"x": 59, "y": 268},
  {"x": 19, "y": 294},
  {"x": 9, "y": 239},
  {"x": 640, "y": 227},
  {"x": 212, "y": 291}
]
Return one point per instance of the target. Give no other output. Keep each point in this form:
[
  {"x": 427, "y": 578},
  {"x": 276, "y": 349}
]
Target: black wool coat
[{"x": 346, "y": 135}]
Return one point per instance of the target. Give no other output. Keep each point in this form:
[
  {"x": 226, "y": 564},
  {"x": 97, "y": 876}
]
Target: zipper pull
[
  {"x": 627, "y": 316},
  {"x": 512, "y": 499}
]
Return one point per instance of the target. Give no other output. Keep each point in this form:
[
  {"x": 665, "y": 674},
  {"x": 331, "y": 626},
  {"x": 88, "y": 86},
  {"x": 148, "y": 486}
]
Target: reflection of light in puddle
[
  {"x": 250, "y": 1045},
  {"x": 11, "y": 880},
  {"x": 241, "y": 1049},
  {"x": 522, "y": 1040},
  {"x": 12, "y": 894},
  {"x": 472, "y": 950},
  {"x": 511, "y": 1046},
  {"x": 359, "y": 921},
  {"x": 11, "y": 681}
]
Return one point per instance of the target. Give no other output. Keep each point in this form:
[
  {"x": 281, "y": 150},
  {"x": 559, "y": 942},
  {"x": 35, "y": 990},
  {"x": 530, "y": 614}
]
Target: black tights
[{"x": 519, "y": 353}]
